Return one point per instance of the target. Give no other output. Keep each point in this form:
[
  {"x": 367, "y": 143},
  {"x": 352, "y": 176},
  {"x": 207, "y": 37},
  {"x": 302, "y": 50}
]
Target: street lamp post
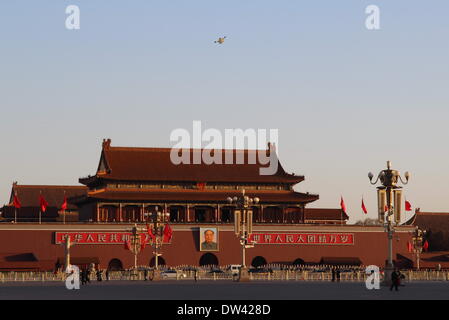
[
  {"x": 389, "y": 196},
  {"x": 243, "y": 226},
  {"x": 67, "y": 245},
  {"x": 418, "y": 244},
  {"x": 158, "y": 221},
  {"x": 135, "y": 244}
]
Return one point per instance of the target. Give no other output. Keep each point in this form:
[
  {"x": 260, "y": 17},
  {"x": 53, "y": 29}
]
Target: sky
[{"x": 344, "y": 99}]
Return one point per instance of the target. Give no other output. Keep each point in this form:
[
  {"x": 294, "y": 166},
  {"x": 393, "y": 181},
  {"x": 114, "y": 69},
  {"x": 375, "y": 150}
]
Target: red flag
[
  {"x": 150, "y": 233},
  {"x": 201, "y": 185},
  {"x": 386, "y": 208},
  {"x": 43, "y": 203},
  {"x": 409, "y": 246},
  {"x": 426, "y": 245},
  {"x": 168, "y": 233},
  {"x": 408, "y": 206},
  {"x": 342, "y": 205},
  {"x": 363, "y": 207},
  {"x": 16, "y": 202},
  {"x": 143, "y": 242},
  {"x": 64, "y": 204},
  {"x": 127, "y": 245}
]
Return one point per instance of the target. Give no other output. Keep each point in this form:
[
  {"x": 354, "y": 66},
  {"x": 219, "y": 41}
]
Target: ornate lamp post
[
  {"x": 243, "y": 226},
  {"x": 135, "y": 244},
  {"x": 158, "y": 221},
  {"x": 389, "y": 196},
  {"x": 418, "y": 244},
  {"x": 67, "y": 245}
]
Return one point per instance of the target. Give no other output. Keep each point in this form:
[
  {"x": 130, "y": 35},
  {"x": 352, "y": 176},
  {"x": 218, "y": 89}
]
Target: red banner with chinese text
[
  {"x": 99, "y": 237},
  {"x": 303, "y": 238}
]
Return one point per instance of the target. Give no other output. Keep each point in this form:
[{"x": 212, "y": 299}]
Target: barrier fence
[{"x": 201, "y": 275}]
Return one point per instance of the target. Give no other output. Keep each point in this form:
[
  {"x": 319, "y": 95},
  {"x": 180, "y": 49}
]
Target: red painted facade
[{"x": 368, "y": 244}]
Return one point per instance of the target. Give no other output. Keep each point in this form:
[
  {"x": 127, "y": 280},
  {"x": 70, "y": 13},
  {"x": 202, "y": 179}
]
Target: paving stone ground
[{"x": 221, "y": 290}]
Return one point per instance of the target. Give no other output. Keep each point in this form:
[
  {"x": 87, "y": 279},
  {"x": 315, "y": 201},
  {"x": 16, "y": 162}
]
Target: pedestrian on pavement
[
  {"x": 395, "y": 279},
  {"x": 83, "y": 276},
  {"x": 99, "y": 275},
  {"x": 333, "y": 274},
  {"x": 338, "y": 274},
  {"x": 87, "y": 276}
]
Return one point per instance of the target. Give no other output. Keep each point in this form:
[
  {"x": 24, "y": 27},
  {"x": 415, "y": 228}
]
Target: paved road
[{"x": 220, "y": 290}]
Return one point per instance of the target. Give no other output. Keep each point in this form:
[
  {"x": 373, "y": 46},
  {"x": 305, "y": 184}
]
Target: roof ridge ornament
[{"x": 106, "y": 144}]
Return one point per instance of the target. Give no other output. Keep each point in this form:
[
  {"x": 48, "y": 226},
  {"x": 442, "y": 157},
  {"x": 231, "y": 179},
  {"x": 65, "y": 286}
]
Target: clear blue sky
[{"x": 345, "y": 99}]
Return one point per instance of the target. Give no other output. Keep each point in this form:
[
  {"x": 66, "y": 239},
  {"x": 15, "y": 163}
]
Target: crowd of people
[{"x": 87, "y": 273}]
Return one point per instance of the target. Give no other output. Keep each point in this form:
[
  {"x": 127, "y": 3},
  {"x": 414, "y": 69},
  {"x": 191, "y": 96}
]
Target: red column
[{"x": 117, "y": 214}]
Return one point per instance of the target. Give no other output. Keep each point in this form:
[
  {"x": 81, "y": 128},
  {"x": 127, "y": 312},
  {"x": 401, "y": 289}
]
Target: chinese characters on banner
[
  {"x": 259, "y": 238},
  {"x": 303, "y": 238},
  {"x": 98, "y": 237}
]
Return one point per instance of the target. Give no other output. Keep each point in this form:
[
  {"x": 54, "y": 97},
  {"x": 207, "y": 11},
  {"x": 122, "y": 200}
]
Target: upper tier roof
[{"x": 154, "y": 164}]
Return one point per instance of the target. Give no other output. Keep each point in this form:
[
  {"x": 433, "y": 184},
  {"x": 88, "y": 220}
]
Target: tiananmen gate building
[{"x": 132, "y": 183}]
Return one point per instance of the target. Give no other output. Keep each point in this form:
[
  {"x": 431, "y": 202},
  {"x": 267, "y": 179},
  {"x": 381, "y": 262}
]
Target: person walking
[
  {"x": 87, "y": 276},
  {"x": 83, "y": 276},
  {"x": 333, "y": 274},
  {"x": 107, "y": 274},
  {"x": 338, "y": 274},
  {"x": 99, "y": 275},
  {"x": 395, "y": 279}
]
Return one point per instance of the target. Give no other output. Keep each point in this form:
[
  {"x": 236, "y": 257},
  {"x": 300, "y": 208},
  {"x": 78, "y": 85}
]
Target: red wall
[{"x": 370, "y": 245}]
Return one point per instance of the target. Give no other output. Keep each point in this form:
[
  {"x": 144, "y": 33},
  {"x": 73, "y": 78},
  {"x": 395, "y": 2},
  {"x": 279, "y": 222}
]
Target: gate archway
[
  {"x": 209, "y": 259},
  {"x": 298, "y": 261},
  {"x": 115, "y": 265},
  {"x": 258, "y": 262},
  {"x": 160, "y": 261}
]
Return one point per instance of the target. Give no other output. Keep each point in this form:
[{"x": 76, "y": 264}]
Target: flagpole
[
  {"x": 63, "y": 210},
  {"x": 40, "y": 220},
  {"x": 15, "y": 215}
]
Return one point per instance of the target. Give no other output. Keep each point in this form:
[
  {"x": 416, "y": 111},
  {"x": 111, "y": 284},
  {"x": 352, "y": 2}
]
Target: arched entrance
[
  {"x": 258, "y": 262},
  {"x": 160, "y": 261},
  {"x": 208, "y": 259},
  {"x": 115, "y": 265},
  {"x": 298, "y": 262}
]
